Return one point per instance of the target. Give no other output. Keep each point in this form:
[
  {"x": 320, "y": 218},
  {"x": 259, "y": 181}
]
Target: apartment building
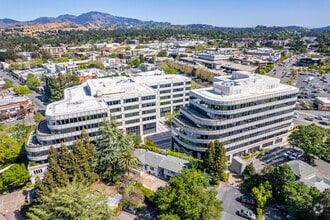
[
  {"x": 55, "y": 51},
  {"x": 12, "y": 105},
  {"x": 137, "y": 103},
  {"x": 246, "y": 112}
]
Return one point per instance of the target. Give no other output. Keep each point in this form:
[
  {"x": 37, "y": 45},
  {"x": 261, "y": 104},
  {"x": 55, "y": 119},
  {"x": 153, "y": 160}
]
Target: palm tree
[{"x": 127, "y": 160}]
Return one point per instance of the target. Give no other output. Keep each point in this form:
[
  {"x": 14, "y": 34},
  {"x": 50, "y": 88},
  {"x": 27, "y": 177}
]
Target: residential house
[{"x": 162, "y": 166}]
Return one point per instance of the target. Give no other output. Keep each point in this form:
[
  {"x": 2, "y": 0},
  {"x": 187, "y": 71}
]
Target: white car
[
  {"x": 10, "y": 119},
  {"x": 246, "y": 214}
]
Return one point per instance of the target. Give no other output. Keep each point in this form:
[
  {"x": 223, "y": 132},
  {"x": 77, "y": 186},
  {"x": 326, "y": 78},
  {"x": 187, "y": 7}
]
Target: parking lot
[
  {"x": 275, "y": 157},
  {"x": 231, "y": 205},
  {"x": 311, "y": 85}
]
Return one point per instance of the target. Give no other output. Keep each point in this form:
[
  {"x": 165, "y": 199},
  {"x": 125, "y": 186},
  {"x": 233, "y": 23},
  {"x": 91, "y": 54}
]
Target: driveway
[{"x": 229, "y": 195}]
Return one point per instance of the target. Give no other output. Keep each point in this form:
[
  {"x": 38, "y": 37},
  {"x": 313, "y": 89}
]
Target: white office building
[
  {"x": 246, "y": 112},
  {"x": 136, "y": 103}
]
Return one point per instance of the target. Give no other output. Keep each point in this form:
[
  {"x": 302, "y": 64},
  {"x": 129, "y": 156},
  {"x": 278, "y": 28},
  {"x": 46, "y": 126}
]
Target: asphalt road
[
  {"x": 35, "y": 97},
  {"x": 229, "y": 195}
]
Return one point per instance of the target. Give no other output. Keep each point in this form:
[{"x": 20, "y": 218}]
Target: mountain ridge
[
  {"x": 92, "y": 17},
  {"x": 105, "y": 19}
]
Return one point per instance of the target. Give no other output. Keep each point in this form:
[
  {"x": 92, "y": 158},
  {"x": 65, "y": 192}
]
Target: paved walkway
[
  {"x": 151, "y": 181},
  {"x": 10, "y": 205}
]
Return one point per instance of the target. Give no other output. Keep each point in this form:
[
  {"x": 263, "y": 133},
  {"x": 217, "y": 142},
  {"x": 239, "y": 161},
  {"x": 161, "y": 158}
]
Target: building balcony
[
  {"x": 228, "y": 137},
  {"x": 236, "y": 111}
]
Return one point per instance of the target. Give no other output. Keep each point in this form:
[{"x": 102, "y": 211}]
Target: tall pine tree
[{"x": 215, "y": 161}]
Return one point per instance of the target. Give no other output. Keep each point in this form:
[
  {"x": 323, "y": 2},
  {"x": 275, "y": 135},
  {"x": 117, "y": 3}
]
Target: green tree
[
  {"x": 32, "y": 81},
  {"x": 22, "y": 90},
  {"x": 186, "y": 197},
  {"x": 15, "y": 175},
  {"x": 162, "y": 53},
  {"x": 38, "y": 117},
  {"x": 300, "y": 200},
  {"x": 36, "y": 62},
  {"x": 311, "y": 139},
  {"x": 8, "y": 84},
  {"x": 135, "y": 63},
  {"x": 251, "y": 178},
  {"x": 127, "y": 160},
  {"x": 282, "y": 177},
  {"x": 83, "y": 159},
  {"x": 75, "y": 201},
  {"x": 55, "y": 85},
  {"x": 169, "y": 116},
  {"x": 170, "y": 70},
  {"x": 194, "y": 85},
  {"x": 12, "y": 143},
  {"x": 96, "y": 64},
  {"x": 262, "y": 193},
  {"x": 215, "y": 161},
  {"x": 109, "y": 149}
]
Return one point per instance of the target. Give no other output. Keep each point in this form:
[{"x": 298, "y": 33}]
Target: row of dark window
[
  {"x": 78, "y": 119},
  {"x": 240, "y": 114},
  {"x": 205, "y": 137},
  {"x": 240, "y": 123},
  {"x": 239, "y": 106}
]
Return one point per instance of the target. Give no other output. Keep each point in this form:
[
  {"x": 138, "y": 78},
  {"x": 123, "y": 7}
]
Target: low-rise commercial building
[
  {"x": 13, "y": 105},
  {"x": 245, "y": 111},
  {"x": 323, "y": 103}
]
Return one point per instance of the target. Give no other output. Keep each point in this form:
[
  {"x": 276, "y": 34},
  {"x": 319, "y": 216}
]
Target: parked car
[
  {"x": 288, "y": 153},
  {"x": 289, "y": 217},
  {"x": 246, "y": 214},
  {"x": 326, "y": 158},
  {"x": 130, "y": 209},
  {"x": 324, "y": 123},
  {"x": 280, "y": 207},
  {"x": 247, "y": 199},
  {"x": 309, "y": 118},
  {"x": 10, "y": 119},
  {"x": 20, "y": 117},
  {"x": 294, "y": 156}
]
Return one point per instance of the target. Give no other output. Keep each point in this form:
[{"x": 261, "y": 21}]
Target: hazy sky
[{"x": 225, "y": 13}]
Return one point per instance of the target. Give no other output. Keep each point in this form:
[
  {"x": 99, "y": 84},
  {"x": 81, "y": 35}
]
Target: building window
[
  {"x": 132, "y": 114},
  {"x": 165, "y": 91},
  {"x": 131, "y": 100},
  {"x": 114, "y": 102},
  {"x": 148, "y": 111},
  {"x": 115, "y": 110},
  {"x": 165, "y": 97},
  {"x": 132, "y": 121},
  {"x": 149, "y": 118},
  {"x": 178, "y": 84},
  {"x": 131, "y": 107},
  {"x": 149, "y": 104},
  {"x": 165, "y": 103},
  {"x": 149, "y": 97},
  {"x": 178, "y": 90},
  {"x": 165, "y": 85}
]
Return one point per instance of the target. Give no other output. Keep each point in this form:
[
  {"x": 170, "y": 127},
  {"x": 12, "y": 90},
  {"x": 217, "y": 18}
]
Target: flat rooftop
[
  {"x": 76, "y": 99},
  {"x": 92, "y": 94},
  {"x": 242, "y": 86},
  {"x": 9, "y": 99}
]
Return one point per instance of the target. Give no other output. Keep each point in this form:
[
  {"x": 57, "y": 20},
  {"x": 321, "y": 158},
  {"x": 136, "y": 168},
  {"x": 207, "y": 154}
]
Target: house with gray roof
[
  {"x": 162, "y": 166},
  {"x": 309, "y": 175}
]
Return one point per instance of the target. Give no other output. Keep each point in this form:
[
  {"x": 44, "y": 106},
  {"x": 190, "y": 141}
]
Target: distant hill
[
  {"x": 327, "y": 28},
  {"x": 92, "y": 17}
]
